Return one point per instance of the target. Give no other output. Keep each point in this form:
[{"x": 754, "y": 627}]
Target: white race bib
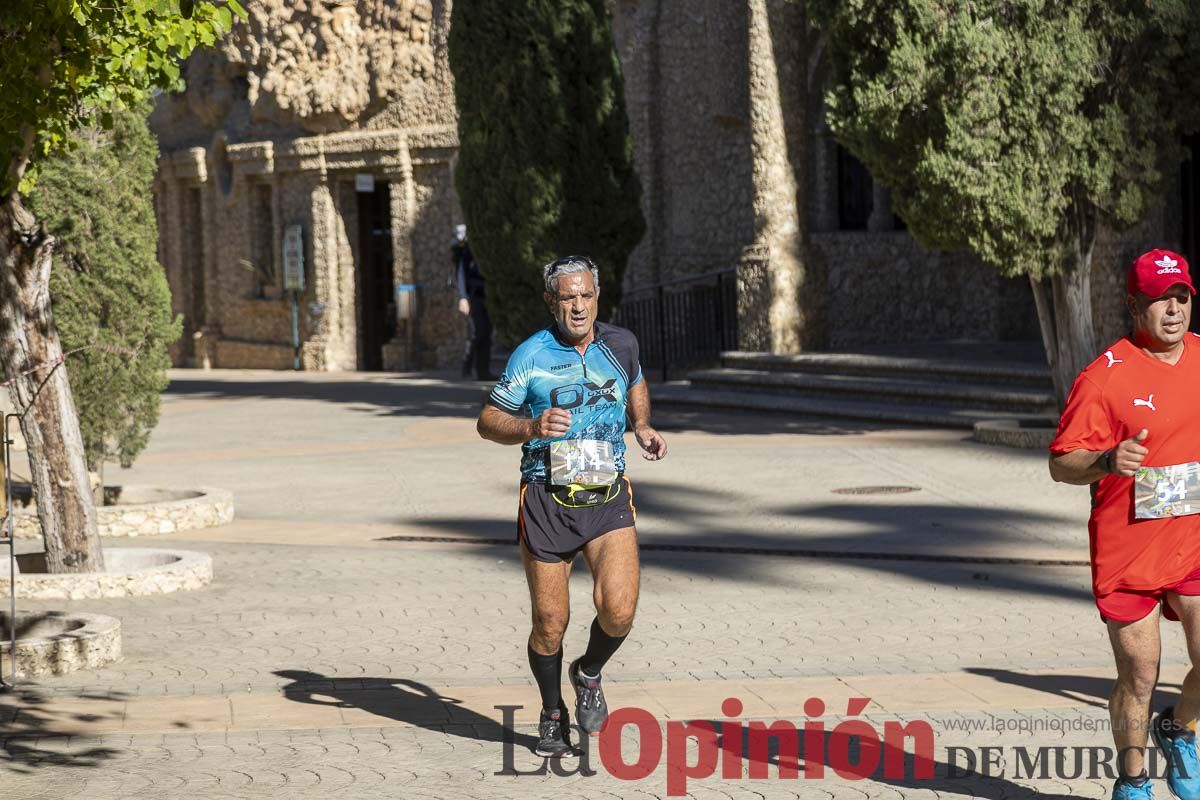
[
  {"x": 1173, "y": 491},
  {"x": 587, "y": 462}
]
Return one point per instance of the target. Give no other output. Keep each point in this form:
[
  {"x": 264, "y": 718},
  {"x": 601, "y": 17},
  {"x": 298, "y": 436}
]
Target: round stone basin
[
  {"x": 142, "y": 495},
  {"x": 55, "y": 643},
  {"x": 140, "y": 511},
  {"x": 40, "y": 626},
  {"x": 129, "y": 572}
]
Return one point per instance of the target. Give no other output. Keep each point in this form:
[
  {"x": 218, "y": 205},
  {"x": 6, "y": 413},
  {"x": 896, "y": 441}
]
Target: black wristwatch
[{"x": 1108, "y": 465}]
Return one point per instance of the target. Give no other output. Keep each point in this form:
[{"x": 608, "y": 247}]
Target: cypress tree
[
  {"x": 107, "y": 287},
  {"x": 545, "y": 161},
  {"x": 1016, "y": 130}
]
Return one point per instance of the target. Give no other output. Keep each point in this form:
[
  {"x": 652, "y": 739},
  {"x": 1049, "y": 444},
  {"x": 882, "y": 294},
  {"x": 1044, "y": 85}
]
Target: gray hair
[{"x": 568, "y": 266}]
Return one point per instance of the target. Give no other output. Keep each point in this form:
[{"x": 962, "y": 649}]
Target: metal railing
[{"x": 682, "y": 324}]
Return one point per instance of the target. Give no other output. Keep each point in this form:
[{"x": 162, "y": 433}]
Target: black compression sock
[
  {"x": 600, "y": 649},
  {"x": 547, "y": 671},
  {"x": 1138, "y": 781}
]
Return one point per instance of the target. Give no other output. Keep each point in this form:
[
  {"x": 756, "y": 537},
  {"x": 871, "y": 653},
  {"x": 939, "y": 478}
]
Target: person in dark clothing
[{"x": 472, "y": 302}]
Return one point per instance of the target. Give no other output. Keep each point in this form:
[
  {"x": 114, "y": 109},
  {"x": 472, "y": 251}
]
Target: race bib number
[
  {"x": 1172, "y": 491},
  {"x": 582, "y": 461}
]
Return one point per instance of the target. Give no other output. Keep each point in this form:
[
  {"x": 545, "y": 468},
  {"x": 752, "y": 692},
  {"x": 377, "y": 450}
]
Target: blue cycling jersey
[{"x": 547, "y": 372}]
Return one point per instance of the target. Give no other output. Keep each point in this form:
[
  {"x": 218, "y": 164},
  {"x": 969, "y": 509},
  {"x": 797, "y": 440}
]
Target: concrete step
[
  {"x": 918, "y": 389},
  {"x": 1018, "y": 373},
  {"x": 683, "y": 395}
]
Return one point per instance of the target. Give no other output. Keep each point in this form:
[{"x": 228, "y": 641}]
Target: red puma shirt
[{"x": 1115, "y": 397}]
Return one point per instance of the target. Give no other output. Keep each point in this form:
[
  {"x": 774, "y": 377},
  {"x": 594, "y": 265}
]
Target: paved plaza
[{"x": 368, "y": 612}]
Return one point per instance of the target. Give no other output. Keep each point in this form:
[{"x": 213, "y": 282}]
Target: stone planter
[
  {"x": 131, "y": 572},
  {"x": 55, "y": 643},
  {"x": 143, "y": 511}
]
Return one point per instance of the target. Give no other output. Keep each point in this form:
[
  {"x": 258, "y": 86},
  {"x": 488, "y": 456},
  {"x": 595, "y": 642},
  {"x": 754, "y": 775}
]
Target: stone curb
[
  {"x": 1031, "y": 433},
  {"x": 210, "y": 508},
  {"x": 133, "y": 572},
  {"x": 862, "y": 364}
]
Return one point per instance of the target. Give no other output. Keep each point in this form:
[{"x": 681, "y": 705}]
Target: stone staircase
[{"x": 943, "y": 391}]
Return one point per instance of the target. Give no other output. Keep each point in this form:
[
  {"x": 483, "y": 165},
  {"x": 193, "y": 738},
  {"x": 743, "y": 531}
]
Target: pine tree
[
  {"x": 545, "y": 160},
  {"x": 108, "y": 291}
]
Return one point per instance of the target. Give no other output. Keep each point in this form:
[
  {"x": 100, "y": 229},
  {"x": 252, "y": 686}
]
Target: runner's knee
[
  {"x": 551, "y": 626},
  {"x": 1139, "y": 678},
  {"x": 616, "y": 618}
]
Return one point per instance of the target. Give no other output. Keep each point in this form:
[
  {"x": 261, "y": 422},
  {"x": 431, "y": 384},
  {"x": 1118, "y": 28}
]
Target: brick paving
[{"x": 323, "y": 657}]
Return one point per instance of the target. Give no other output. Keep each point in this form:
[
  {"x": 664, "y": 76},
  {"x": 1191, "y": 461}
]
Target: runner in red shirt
[{"x": 1135, "y": 406}]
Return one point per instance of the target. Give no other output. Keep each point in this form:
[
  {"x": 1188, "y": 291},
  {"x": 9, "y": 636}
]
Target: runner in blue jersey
[{"x": 565, "y": 396}]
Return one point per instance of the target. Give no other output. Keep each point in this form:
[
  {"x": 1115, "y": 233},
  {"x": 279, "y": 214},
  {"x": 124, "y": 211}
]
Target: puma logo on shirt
[{"x": 1148, "y": 402}]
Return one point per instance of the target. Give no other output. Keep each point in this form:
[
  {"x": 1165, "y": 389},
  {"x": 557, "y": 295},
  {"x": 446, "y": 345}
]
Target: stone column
[
  {"x": 753, "y": 299},
  {"x": 400, "y": 354},
  {"x": 324, "y": 291}
]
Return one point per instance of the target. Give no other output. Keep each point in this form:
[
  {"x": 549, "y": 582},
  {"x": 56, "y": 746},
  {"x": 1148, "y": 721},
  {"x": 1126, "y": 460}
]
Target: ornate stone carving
[{"x": 322, "y": 64}]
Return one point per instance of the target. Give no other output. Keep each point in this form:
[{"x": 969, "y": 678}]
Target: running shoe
[
  {"x": 1179, "y": 747},
  {"x": 590, "y": 708},
  {"x": 1124, "y": 790},
  {"x": 554, "y": 734}
]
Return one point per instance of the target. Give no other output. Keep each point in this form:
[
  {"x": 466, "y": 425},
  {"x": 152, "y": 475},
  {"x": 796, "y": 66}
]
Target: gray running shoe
[
  {"x": 590, "y": 708},
  {"x": 554, "y": 734}
]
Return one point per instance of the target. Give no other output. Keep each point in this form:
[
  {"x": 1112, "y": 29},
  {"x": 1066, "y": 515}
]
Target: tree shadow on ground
[
  {"x": 940, "y": 544},
  {"x": 898, "y": 768},
  {"x": 34, "y": 735},
  {"x": 417, "y": 396},
  {"x": 440, "y": 395},
  {"x": 672, "y": 418},
  {"x": 1081, "y": 689},
  {"x": 402, "y": 700}
]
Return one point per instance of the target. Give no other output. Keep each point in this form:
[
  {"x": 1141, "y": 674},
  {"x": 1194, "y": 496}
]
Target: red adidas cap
[{"x": 1155, "y": 272}]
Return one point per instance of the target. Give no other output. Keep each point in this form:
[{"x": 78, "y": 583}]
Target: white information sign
[
  {"x": 293, "y": 258},
  {"x": 364, "y": 182}
]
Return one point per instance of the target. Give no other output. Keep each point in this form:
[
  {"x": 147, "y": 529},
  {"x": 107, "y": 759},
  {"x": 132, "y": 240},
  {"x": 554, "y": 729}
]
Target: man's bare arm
[
  {"x": 502, "y": 428},
  {"x": 637, "y": 405},
  {"x": 637, "y": 408},
  {"x": 1082, "y": 467},
  {"x": 497, "y": 426},
  {"x": 1079, "y": 467}
]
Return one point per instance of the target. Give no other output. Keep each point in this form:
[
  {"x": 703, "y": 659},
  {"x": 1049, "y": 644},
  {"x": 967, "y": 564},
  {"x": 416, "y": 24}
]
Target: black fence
[{"x": 682, "y": 324}]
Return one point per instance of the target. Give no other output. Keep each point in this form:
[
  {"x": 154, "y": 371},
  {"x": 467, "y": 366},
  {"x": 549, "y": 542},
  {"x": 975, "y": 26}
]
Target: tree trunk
[
  {"x": 1076, "y": 333},
  {"x": 1068, "y": 332},
  {"x": 29, "y": 344}
]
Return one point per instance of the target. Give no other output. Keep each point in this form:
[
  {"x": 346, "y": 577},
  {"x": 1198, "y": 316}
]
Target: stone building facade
[
  {"x": 338, "y": 116},
  {"x": 335, "y": 119},
  {"x": 740, "y": 170}
]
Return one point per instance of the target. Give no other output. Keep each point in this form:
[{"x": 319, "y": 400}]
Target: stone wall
[
  {"x": 886, "y": 288},
  {"x": 686, "y": 75}
]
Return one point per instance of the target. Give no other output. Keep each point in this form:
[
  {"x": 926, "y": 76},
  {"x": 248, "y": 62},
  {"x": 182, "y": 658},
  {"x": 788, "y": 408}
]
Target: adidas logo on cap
[{"x": 1168, "y": 266}]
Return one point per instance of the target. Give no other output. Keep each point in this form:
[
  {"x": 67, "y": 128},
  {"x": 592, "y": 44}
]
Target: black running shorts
[{"x": 554, "y": 532}]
